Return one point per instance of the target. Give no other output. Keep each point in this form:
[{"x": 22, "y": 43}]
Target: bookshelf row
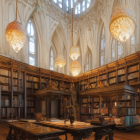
[{"x": 113, "y": 77}]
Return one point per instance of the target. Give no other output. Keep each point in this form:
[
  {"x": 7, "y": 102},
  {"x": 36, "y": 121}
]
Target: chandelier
[
  {"x": 123, "y": 23},
  {"x": 75, "y": 68},
  {"x": 15, "y": 34},
  {"x": 60, "y": 61},
  {"x": 74, "y": 50}
]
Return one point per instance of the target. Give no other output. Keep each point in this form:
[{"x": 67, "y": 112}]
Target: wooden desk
[
  {"x": 81, "y": 130},
  {"x": 30, "y": 131}
]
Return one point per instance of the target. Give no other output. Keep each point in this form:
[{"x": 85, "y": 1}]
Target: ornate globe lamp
[
  {"x": 74, "y": 50},
  {"x": 75, "y": 68},
  {"x": 123, "y": 23},
  {"x": 60, "y": 61},
  {"x": 15, "y": 34}
]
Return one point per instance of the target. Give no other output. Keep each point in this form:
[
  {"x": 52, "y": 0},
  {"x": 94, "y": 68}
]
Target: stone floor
[{"x": 118, "y": 135}]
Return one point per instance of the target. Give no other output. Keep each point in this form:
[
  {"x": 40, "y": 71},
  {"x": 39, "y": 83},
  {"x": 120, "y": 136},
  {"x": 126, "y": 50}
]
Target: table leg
[{"x": 10, "y": 135}]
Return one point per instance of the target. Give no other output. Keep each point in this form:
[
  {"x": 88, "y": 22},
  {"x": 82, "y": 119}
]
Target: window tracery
[
  {"x": 51, "y": 59},
  {"x": 133, "y": 44},
  {"x": 32, "y": 49},
  {"x": 102, "y": 47}
]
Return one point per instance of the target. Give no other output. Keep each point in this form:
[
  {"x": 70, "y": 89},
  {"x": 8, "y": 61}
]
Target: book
[
  {"x": 121, "y": 71},
  {"x": 133, "y": 68},
  {"x": 112, "y": 74}
]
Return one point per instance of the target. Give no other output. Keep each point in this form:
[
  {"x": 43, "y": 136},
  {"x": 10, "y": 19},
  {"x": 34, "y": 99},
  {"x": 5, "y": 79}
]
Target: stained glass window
[
  {"x": 113, "y": 49},
  {"x": 32, "y": 44},
  {"x": 120, "y": 49},
  {"x": 102, "y": 47},
  {"x": 133, "y": 44},
  {"x": 79, "y": 6},
  {"x": 88, "y": 61}
]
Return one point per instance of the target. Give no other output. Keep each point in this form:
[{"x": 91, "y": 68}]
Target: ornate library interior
[{"x": 70, "y": 70}]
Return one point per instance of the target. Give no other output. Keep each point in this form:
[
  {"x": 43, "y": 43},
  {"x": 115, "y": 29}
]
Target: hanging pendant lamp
[
  {"x": 60, "y": 61},
  {"x": 15, "y": 33},
  {"x": 74, "y": 50},
  {"x": 75, "y": 68},
  {"x": 123, "y": 23}
]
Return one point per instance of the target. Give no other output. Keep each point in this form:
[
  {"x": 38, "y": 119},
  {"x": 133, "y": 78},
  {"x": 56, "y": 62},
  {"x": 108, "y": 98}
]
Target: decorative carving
[
  {"x": 72, "y": 87},
  {"x": 52, "y": 85},
  {"x": 62, "y": 86}
]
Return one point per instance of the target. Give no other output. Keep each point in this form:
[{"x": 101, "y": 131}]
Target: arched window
[
  {"x": 51, "y": 60},
  {"x": 58, "y": 2},
  {"x": 113, "y": 49},
  {"x": 65, "y": 58},
  {"x": 120, "y": 50},
  {"x": 102, "y": 47},
  {"x": 88, "y": 60},
  {"x": 32, "y": 44},
  {"x": 133, "y": 44}
]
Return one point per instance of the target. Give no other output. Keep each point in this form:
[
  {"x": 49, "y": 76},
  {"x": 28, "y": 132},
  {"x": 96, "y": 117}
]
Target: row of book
[
  {"x": 4, "y": 101},
  {"x": 130, "y": 120},
  {"x": 133, "y": 75},
  {"x": 15, "y": 88},
  {"x": 89, "y": 110},
  {"x": 104, "y": 82},
  {"x": 123, "y": 104},
  {"x": 138, "y": 111},
  {"x": 35, "y": 79},
  {"x": 4, "y": 80},
  {"x": 35, "y": 85},
  {"x": 85, "y": 100},
  {"x": 43, "y": 86},
  {"x": 30, "y": 103},
  {"x": 126, "y": 111},
  {"x": 7, "y": 112},
  {"x": 112, "y": 74},
  {"x": 134, "y": 68},
  {"x": 15, "y": 81},
  {"x": 30, "y": 110},
  {"x": 28, "y": 84},
  {"x": 17, "y": 101},
  {"x": 15, "y": 74},
  {"x": 125, "y": 97},
  {"x": 5, "y": 88},
  {"x": 121, "y": 71},
  {"x": 5, "y": 72},
  {"x": 138, "y": 104},
  {"x": 121, "y": 78},
  {"x": 113, "y": 80},
  {"x": 92, "y": 80},
  {"x": 43, "y": 80},
  {"x": 103, "y": 77},
  {"x": 30, "y": 78},
  {"x": 18, "y": 75}
]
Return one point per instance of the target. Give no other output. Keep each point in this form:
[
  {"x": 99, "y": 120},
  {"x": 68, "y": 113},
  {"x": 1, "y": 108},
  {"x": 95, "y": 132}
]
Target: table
[
  {"x": 81, "y": 130},
  {"x": 30, "y": 131}
]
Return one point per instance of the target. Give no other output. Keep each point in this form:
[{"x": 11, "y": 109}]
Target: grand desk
[
  {"x": 81, "y": 130},
  {"x": 30, "y": 131}
]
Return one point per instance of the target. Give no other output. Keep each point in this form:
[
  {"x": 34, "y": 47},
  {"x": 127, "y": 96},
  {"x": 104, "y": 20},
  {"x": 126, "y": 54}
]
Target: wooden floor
[{"x": 118, "y": 135}]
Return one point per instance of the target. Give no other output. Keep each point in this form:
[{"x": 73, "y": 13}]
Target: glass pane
[
  {"x": 83, "y": 3},
  {"x": 76, "y": 11},
  {"x": 133, "y": 40},
  {"x": 60, "y": 5},
  {"x": 32, "y": 47},
  {"x": 32, "y": 61},
  {"x": 71, "y": 3},
  {"x": 102, "y": 60},
  {"x": 103, "y": 44},
  {"x": 60, "y": 1},
  {"x": 32, "y": 30},
  {"x": 83, "y": 8},
  {"x": 88, "y": 5},
  {"x": 55, "y": 1},
  {"x": 29, "y": 28},
  {"x": 67, "y": 3}
]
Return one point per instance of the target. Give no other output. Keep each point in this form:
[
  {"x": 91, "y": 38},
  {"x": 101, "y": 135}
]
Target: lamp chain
[
  {"x": 16, "y": 8},
  {"x": 72, "y": 26}
]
